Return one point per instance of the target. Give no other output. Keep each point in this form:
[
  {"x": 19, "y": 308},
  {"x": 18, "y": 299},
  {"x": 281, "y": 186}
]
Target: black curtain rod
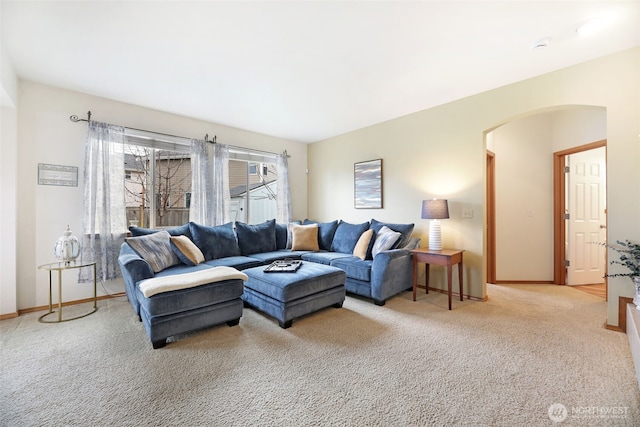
[
  {"x": 214, "y": 140},
  {"x": 75, "y": 119}
]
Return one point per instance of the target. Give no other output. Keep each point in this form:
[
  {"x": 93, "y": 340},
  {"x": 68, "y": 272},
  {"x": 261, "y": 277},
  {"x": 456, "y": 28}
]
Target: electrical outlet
[{"x": 467, "y": 213}]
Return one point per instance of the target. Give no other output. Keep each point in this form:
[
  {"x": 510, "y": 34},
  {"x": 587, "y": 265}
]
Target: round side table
[{"x": 60, "y": 267}]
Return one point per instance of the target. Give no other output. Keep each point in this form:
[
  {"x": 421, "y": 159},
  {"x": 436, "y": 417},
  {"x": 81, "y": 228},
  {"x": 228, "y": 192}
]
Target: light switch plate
[{"x": 467, "y": 213}]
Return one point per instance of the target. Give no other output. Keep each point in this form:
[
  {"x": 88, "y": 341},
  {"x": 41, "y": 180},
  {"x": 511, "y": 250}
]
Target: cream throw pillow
[
  {"x": 363, "y": 244},
  {"x": 189, "y": 253},
  {"x": 305, "y": 237}
]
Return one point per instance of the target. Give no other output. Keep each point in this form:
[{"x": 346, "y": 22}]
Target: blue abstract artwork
[{"x": 367, "y": 178}]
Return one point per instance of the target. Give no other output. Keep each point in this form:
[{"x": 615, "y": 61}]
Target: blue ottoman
[{"x": 286, "y": 296}]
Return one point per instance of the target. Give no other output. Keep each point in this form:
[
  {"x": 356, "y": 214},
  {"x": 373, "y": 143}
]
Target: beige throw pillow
[
  {"x": 188, "y": 253},
  {"x": 305, "y": 237},
  {"x": 363, "y": 244}
]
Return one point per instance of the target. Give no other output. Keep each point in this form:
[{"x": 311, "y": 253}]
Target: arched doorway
[{"x": 522, "y": 148}]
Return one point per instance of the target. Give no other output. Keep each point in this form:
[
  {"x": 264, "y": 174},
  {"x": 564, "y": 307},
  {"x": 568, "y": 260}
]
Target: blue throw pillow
[
  {"x": 347, "y": 235},
  {"x": 258, "y": 238},
  {"x": 326, "y": 230},
  {"x": 281, "y": 236},
  {"x": 404, "y": 229},
  {"x": 215, "y": 242},
  {"x": 182, "y": 230}
]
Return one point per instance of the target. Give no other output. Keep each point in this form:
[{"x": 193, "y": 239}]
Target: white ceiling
[{"x": 302, "y": 70}]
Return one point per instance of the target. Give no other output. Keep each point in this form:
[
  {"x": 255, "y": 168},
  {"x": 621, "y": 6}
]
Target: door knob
[{"x": 603, "y": 226}]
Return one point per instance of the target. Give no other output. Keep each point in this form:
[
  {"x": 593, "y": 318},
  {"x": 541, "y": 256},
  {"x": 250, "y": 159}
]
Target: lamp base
[{"x": 435, "y": 236}]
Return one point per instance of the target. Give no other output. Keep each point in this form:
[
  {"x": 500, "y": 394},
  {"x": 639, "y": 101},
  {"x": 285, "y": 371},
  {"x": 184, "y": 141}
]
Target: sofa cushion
[
  {"x": 268, "y": 257},
  {"x": 324, "y": 257},
  {"x": 256, "y": 238},
  {"x": 354, "y": 267},
  {"x": 346, "y": 236},
  {"x": 186, "y": 250},
  {"x": 215, "y": 242},
  {"x": 182, "y": 230},
  {"x": 326, "y": 230},
  {"x": 386, "y": 239},
  {"x": 155, "y": 248},
  {"x": 305, "y": 237},
  {"x": 362, "y": 246},
  {"x": 404, "y": 229},
  {"x": 182, "y": 269},
  {"x": 240, "y": 262}
]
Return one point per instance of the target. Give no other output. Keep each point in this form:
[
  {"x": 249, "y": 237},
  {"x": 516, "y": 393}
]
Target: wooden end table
[{"x": 446, "y": 257}]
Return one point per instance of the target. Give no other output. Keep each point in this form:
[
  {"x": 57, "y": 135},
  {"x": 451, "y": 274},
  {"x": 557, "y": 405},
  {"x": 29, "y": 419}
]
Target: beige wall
[
  {"x": 46, "y": 135},
  {"x": 440, "y": 152},
  {"x": 524, "y": 199}
]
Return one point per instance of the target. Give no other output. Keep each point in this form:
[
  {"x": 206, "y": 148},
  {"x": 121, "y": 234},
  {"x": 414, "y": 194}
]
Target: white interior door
[{"x": 587, "y": 220}]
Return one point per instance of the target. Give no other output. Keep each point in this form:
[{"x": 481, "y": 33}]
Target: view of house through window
[{"x": 253, "y": 189}]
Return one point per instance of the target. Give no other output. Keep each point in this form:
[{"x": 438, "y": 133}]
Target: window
[
  {"x": 157, "y": 181},
  {"x": 253, "y": 185}
]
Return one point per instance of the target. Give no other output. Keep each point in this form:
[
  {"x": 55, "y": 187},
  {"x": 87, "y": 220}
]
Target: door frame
[
  {"x": 559, "y": 197},
  {"x": 491, "y": 216}
]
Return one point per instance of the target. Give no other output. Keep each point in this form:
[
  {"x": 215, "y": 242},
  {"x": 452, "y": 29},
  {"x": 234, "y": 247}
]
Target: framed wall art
[
  {"x": 65, "y": 176},
  {"x": 367, "y": 179}
]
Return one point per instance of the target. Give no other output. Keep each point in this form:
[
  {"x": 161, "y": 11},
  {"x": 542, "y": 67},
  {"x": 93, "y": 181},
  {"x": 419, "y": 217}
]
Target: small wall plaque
[{"x": 66, "y": 176}]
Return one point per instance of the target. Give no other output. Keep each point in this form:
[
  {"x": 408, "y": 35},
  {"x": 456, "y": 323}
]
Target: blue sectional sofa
[{"x": 374, "y": 255}]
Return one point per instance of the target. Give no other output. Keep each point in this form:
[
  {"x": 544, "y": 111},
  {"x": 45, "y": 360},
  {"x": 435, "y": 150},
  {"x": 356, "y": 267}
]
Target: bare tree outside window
[{"x": 169, "y": 183}]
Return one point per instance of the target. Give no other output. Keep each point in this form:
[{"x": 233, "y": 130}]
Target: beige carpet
[{"x": 503, "y": 362}]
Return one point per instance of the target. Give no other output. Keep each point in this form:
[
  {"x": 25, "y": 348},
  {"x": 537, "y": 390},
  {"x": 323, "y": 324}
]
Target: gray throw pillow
[
  {"x": 385, "y": 239},
  {"x": 156, "y": 249}
]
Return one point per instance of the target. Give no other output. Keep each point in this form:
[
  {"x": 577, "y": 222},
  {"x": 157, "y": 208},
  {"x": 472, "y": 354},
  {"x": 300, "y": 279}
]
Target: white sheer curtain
[
  {"x": 201, "y": 209},
  {"x": 284, "y": 194},
  {"x": 221, "y": 195},
  {"x": 104, "y": 220}
]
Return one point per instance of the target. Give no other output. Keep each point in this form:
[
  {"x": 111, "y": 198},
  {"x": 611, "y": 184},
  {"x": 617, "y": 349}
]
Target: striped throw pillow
[
  {"x": 155, "y": 249},
  {"x": 385, "y": 239}
]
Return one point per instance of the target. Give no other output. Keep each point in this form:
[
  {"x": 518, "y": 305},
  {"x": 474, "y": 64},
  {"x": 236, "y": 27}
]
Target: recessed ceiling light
[{"x": 592, "y": 26}]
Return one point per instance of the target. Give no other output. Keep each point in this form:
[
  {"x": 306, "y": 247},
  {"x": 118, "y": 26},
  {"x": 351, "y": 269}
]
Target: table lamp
[{"x": 435, "y": 209}]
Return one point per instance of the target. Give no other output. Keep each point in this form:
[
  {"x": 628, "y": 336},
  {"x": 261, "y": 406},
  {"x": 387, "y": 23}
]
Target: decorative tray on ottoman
[{"x": 283, "y": 266}]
